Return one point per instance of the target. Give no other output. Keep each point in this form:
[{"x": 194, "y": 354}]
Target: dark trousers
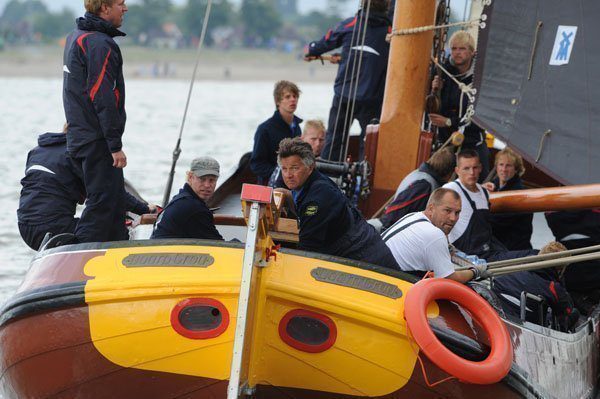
[
  {"x": 34, "y": 234},
  {"x": 582, "y": 276},
  {"x": 103, "y": 218},
  {"x": 506, "y": 255},
  {"x": 337, "y": 136}
]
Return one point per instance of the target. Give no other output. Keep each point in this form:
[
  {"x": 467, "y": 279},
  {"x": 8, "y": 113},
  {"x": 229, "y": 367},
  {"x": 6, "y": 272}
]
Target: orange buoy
[{"x": 489, "y": 371}]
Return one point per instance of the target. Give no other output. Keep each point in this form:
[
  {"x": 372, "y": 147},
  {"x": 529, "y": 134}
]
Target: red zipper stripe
[{"x": 100, "y": 78}]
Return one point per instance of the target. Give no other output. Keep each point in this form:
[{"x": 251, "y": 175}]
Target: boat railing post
[{"x": 259, "y": 215}]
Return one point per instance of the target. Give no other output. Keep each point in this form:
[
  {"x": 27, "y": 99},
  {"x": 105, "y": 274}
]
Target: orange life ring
[{"x": 489, "y": 371}]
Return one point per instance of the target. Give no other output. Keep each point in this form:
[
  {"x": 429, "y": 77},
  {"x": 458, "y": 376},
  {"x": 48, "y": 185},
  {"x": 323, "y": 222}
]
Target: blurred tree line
[{"x": 160, "y": 23}]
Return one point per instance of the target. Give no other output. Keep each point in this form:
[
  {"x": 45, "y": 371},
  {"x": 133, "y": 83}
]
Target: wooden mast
[{"x": 406, "y": 86}]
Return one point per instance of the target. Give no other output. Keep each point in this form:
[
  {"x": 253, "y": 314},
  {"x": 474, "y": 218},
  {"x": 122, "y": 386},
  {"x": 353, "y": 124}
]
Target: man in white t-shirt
[
  {"x": 419, "y": 244},
  {"x": 472, "y": 233}
]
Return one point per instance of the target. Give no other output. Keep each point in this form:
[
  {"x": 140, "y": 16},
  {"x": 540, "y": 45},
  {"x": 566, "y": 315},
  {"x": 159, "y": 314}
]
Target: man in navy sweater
[
  {"x": 281, "y": 125},
  {"x": 187, "y": 215}
]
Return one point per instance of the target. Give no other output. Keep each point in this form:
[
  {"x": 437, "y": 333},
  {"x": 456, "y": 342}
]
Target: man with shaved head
[{"x": 419, "y": 240}]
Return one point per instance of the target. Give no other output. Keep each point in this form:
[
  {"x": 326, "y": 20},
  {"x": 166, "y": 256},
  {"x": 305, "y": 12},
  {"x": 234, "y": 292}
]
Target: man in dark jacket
[
  {"x": 373, "y": 59},
  {"x": 52, "y": 188},
  {"x": 512, "y": 229},
  {"x": 93, "y": 98},
  {"x": 413, "y": 192},
  {"x": 454, "y": 102},
  {"x": 545, "y": 283},
  {"x": 282, "y": 124},
  {"x": 186, "y": 215},
  {"x": 328, "y": 223},
  {"x": 578, "y": 229}
]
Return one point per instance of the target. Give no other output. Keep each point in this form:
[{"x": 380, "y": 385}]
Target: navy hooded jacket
[
  {"x": 375, "y": 52},
  {"x": 53, "y": 185},
  {"x": 93, "y": 86}
]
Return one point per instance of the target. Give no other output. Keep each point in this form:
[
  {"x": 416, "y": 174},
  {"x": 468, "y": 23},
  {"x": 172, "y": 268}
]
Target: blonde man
[
  {"x": 314, "y": 134},
  {"x": 93, "y": 99},
  {"x": 454, "y": 103},
  {"x": 514, "y": 230}
]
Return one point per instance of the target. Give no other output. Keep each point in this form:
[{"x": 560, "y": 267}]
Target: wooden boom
[{"x": 547, "y": 199}]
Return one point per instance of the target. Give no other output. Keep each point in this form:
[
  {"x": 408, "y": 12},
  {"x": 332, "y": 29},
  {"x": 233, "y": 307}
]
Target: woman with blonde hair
[{"x": 512, "y": 229}]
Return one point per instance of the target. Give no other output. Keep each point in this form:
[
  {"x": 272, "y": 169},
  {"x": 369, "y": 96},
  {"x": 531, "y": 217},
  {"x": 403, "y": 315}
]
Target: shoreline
[{"x": 144, "y": 63}]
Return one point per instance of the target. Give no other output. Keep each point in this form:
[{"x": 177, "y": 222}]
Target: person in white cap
[{"x": 187, "y": 215}]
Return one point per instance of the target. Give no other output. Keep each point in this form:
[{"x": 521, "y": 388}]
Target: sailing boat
[{"x": 208, "y": 319}]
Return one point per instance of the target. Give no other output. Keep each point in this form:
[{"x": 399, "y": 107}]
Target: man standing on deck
[
  {"x": 94, "y": 102},
  {"x": 282, "y": 124},
  {"x": 472, "y": 233},
  {"x": 357, "y": 90},
  {"x": 454, "y": 102},
  {"x": 328, "y": 223},
  {"x": 419, "y": 240}
]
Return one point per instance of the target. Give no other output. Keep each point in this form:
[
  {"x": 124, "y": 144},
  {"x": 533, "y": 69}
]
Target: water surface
[{"x": 221, "y": 122}]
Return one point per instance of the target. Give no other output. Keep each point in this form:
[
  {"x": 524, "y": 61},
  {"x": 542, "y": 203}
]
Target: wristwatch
[{"x": 448, "y": 122}]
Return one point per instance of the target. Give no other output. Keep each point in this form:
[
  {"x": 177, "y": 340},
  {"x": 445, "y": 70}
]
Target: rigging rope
[
  {"x": 420, "y": 29},
  {"x": 177, "y": 150},
  {"x": 467, "y": 90},
  {"x": 345, "y": 131},
  {"x": 353, "y": 94},
  {"x": 337, "y": 116}
]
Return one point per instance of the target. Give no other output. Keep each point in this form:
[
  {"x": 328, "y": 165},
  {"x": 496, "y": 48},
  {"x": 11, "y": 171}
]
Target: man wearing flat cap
[{"x": 187, "y": 215}]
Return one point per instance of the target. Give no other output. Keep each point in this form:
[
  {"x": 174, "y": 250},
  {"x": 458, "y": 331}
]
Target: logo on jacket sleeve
[{"x": 311, "y": 210}]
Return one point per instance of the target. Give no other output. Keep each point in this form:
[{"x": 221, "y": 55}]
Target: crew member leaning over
[
  {"x": 419, "y": 240},
  {"x": 328, "y": 223}
]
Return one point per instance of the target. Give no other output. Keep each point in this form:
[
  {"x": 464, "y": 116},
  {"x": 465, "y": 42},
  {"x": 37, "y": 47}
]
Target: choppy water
[
  {"x": 222, "y": 119},
  {"x": 221, "y": 122}
]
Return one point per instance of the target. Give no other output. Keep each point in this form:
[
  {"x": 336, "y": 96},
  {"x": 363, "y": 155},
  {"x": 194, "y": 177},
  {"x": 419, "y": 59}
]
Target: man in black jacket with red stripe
[{"x": 93, "y": 98}]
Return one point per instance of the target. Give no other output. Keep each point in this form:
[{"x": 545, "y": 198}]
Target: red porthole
[
  {"x": 307, "y": 331},
  {"x": 200, "y": 318}
]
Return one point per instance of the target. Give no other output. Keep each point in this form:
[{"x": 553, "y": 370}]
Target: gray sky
[
  {"x": 458, "y": 6},
  {"x": 77, "y": 5}
]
